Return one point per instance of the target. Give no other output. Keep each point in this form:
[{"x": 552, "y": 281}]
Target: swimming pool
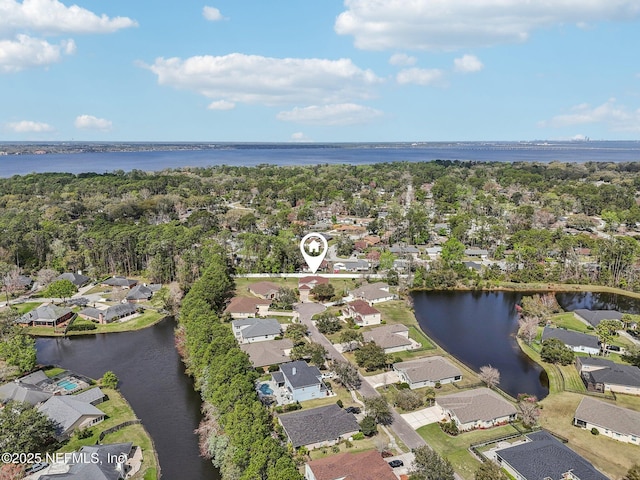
[
  {"x": 67, "y": 384},
  {"x": 265, "y": 389}
]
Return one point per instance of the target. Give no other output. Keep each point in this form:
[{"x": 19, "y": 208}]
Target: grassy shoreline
[{"x": 145, "y": 320}]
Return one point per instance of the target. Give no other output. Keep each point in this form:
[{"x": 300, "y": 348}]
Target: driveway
[
  {"x": 381, "y": 379},
  {"x": 426, "y": 416}
]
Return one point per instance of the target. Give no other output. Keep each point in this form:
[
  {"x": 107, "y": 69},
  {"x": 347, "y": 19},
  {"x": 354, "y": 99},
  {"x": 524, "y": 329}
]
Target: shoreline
[{"x": 77, "y": 333}]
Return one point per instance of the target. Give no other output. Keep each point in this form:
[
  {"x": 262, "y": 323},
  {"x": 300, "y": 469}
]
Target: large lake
[
  {"x": 315, "y": 154},
  {"x": 479, "y": 329},
  {"x": 152, "y": 379}
]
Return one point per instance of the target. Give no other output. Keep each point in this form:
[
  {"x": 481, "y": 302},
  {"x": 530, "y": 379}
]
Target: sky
[{"x": 319, "y": 71}]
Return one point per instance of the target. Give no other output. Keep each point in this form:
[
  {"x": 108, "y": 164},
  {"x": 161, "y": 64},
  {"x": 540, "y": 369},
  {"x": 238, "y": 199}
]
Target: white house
[
  {"x": 616, "y": 422},
  {"x": 362, "y": 313},
  {"x": 248, "y": 330},
  {"x": 426, "y": 372},
  {"x": 479, "y": 408}
]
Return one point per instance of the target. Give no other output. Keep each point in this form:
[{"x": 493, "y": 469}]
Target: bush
[
  {"x": 348, "y": 444},
  {"x": 273, "y": 368},
  {"x": 595, "y": 431},
  {"x": 81, "y": 327},
  {"x": 358, "y": 436},
  {"x": 84, "y": 433},
  {"x": 292, "y": 407},
  {"x": 335, "y": 449},
  {"x": 368, "y": 426},
  {"x": 339, "y": 403},
  {"x": 402, "y": 386},
  {"x": 450, "y": 428}
]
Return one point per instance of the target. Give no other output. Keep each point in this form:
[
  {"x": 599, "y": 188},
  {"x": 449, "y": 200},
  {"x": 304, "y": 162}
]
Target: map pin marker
[{"x": 311, "y": 252}]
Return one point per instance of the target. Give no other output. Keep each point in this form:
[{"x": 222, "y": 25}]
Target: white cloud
[
  {"x": 616, "y": 118},
  {"x": 456, "y": 24},
  {"x": 253, "y": 79},
  {"x": 335, "y": 114},
  {"x": 212, "y": 14},
  {"x": 25, "y": 52},
  {"x": 300, "y": 137},
  {"x": 420, "y": 76},
  {"x": 221, "y": 105},
  {"x": 89, "y": 122},
  {"x": 402, "y": 60},
  {"x": 28, "y": 126},
  {"x": 53, "y": 17},
  {"x": 467, "y": 64}
]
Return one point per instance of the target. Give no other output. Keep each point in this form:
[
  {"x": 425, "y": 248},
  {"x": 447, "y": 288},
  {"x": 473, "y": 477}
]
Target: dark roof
[
  {"x": 90, "y": 396},
  {"x": 594, "y": 317},
  {"x": 320, "y": 424},
  {"x": 616, "y": 374},
  {"x": 140, "y": 292},
  {"x": 257, "y": 327},
  {"x": 573, "y": 339},
  {"x": 22, "y": 392},
  {"x": 112, "y": 313},
  {"x": 119, "y": 282},
  {"x": 595, "y": 361},
  {"x": 300, "y": 374},
  {"x": 45, "y": 313},
  {"x": 76, "y": 278},
  {"x": 101, "y": 469},
  {"x": 545, "y": 456}
]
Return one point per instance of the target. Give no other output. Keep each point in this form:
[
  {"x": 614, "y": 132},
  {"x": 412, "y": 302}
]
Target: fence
[{"x": 118, "y": 427}]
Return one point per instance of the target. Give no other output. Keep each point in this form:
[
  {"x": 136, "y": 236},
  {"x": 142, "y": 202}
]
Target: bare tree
[
  {"x": 528, "y": 328},
  {"x": 46, "y": 276},
  {"x": 529, "y": 409},
  {"x": 490, "y": 376}
]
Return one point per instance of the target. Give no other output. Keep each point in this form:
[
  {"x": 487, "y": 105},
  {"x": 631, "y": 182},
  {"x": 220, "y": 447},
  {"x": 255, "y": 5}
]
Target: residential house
[
  {"x": 268, "y": 290},
  {"x": 20, "y": 391},
  {"x": 616, "y": 422},
  {"x": 95, "y": 462},
  {"x": 576, "y": 341},
  {"x": 46, "y": 316},
  {"x": 373, "y": 293},
  {"x": 544, "y": 457},
  {"x": 76, "y": 278},
  {"x": 362, "y": 313},
  {"x": 306, "y": 284},
  {"x": 392, "y": 338},
  {"x": 243, "y": 307},
  {"x": 265, "y": 354},
  {"x": 427, "y": 372},
  {"x": 350, "y": 466},
  {"x": 303, "y": 381},
  {"x": 319, "y": 427},
  {"x": 479, "y": 408},
  {"x": 248, "y": 330},
  {"x": 433, "y": 252},
  {"x": 121, "y": 282},
  {"x": 603, "y": 375},
  {"x": 406, "y": 251},
  {"x": 474, "y": 266},
  {"x": 358, "y": 265},
  {"x": 594, "y": 317},
  {"x": 109, "y": 314},
  {"x": 71, "y": 413},
  {"x": 477, "y": 252},
  {"x": 142, "y": 293}
]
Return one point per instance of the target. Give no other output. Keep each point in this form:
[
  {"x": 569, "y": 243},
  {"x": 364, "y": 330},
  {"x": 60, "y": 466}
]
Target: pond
[
  {"x": 479, "y": 328},
  {"x": 152, "y": 379},
  {"x": 598, "y": 301}
]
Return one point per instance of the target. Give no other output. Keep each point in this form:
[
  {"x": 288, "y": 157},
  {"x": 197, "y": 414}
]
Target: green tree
[
  {"x": 344, "y": 246},
  {"x": 371, "y": 356},
  {"x": 19, "y": 349},
  {"x": 296, "y": 332},
  {"x": 409, "y": 400},
  {"x": 368, "y": 426},
  {"x": 452, "y": 251},
  {"x": 286, "y": 298},
  {"x": 555, "y": 351},
  {"x": 328, "y": 323},
  {"x": 351, "y": 339},
  {"x": 60, "y": 289},
  {"x": 346, "y": 374},
  {"x": 110, "y": 380},
  {"x": 386, "y": 260},
  {"x": 378, "y": 408},
  {"x": 24, "y": 429},
  {"x": 607, "y": 330},
  {"x": 489, "y": 471},
  {"x": 632, "y": 356},
  {"x": 323, "y": 291},
  {"x": 633, "y": 473},
  {"x": 428, "y": 465}
]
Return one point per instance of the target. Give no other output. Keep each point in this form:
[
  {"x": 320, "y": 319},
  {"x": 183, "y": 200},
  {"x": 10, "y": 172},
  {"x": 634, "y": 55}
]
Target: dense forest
[{"x": 534, "y": 218}]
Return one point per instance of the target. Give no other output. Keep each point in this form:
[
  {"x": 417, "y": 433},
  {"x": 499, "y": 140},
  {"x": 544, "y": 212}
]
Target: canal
[{"x": 153, "y": 380}]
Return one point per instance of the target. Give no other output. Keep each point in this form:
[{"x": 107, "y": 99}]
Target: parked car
[
  {"x": 396, "y": 463},
  {"x": 353, "y": 410},
  {"x": 36, "y": 467}
]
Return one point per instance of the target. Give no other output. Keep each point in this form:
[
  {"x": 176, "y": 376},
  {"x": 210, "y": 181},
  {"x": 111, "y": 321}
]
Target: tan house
[
  {"x": 306, "y": 284},
  {"x": 265, "y": 354},
  {"x": 426, "y": 372},
  {"x": 373, "y": 293},
  {"x": 616, "y": 422},
  {"x": 362, "y": 313},
  {"x": 243, "y": 307},
  {"x": 71, "y": 413},
  {"x": 604, "y": 375},
  {"x": 392, "y": 338},
  {"x": 268, "y": 290},
  {"x": 479, "y": 408}
]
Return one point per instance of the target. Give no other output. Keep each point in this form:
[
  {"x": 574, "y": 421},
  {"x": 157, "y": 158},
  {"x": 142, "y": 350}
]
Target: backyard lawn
[{"x": 145, "y": 320}]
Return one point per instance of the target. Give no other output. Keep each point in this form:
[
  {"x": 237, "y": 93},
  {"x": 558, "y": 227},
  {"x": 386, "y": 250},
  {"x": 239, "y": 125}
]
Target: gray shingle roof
[
  {"x": 119, "y": 282},
  {"x": 139, "y": 292},
  {"x": 373, "y": 291},
  {"x": 606, "y": 415},
  {"x": 90, "y": 396},
  {"x": 45, "y": 313},
  {"x": 76, "y": 278},
  {"x": 387, "y": 336},
  {"x": 66, "y": 410},
  {"x": 102, "y": 469},
  {"x": 301, "y": 374},
  {"x": 257, "y": 327},
  {"x": 594, "y": 317},
  {"x": 544, "y": 456},
  {"x": 568, "y": 337},
  {"x": 480, "y": 404},
  {"x": 432, "y": 369},
  {"x": 318, "y": 425},
  {"x": 22, "y": 392},
  {"x": 617, "y": 374}
]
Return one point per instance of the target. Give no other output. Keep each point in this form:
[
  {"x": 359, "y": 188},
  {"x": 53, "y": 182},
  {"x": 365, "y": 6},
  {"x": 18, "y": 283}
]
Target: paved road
[{"x": 400, "y": 426}]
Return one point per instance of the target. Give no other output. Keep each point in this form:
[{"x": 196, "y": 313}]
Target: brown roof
[
  {"x": 315, "y": 279},
  {"x": 363, "y": 308},
  {"x": 264, "y": 288},
  {"x": 245, "y": 305},
  {"x": 352, "y": 466},
  {"x": 263, "y": 354}
]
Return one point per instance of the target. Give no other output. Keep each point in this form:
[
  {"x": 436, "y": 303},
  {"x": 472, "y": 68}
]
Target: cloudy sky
[{"x": 329, "y": 70}]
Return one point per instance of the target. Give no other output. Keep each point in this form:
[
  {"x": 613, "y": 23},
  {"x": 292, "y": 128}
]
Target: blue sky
[{"x": 323, "y": 71}]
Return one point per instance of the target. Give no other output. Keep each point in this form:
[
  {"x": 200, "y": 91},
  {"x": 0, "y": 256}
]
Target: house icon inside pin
[{"x": 314, "y": 246}]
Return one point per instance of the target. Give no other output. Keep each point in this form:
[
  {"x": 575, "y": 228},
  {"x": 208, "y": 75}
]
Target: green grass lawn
[
  {"x": 26, "y": 307},
  {"x": 52, "y": 372},
  {"x": 570, "y": 322},
  {"x": 396, "y": 311},
  {"x": 145, "y": 320},
  {"x": 455, "y": 449}
]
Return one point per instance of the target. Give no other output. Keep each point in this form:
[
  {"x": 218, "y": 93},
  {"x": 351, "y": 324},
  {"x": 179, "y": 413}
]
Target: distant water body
[{"x": 315, "y": 154}]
